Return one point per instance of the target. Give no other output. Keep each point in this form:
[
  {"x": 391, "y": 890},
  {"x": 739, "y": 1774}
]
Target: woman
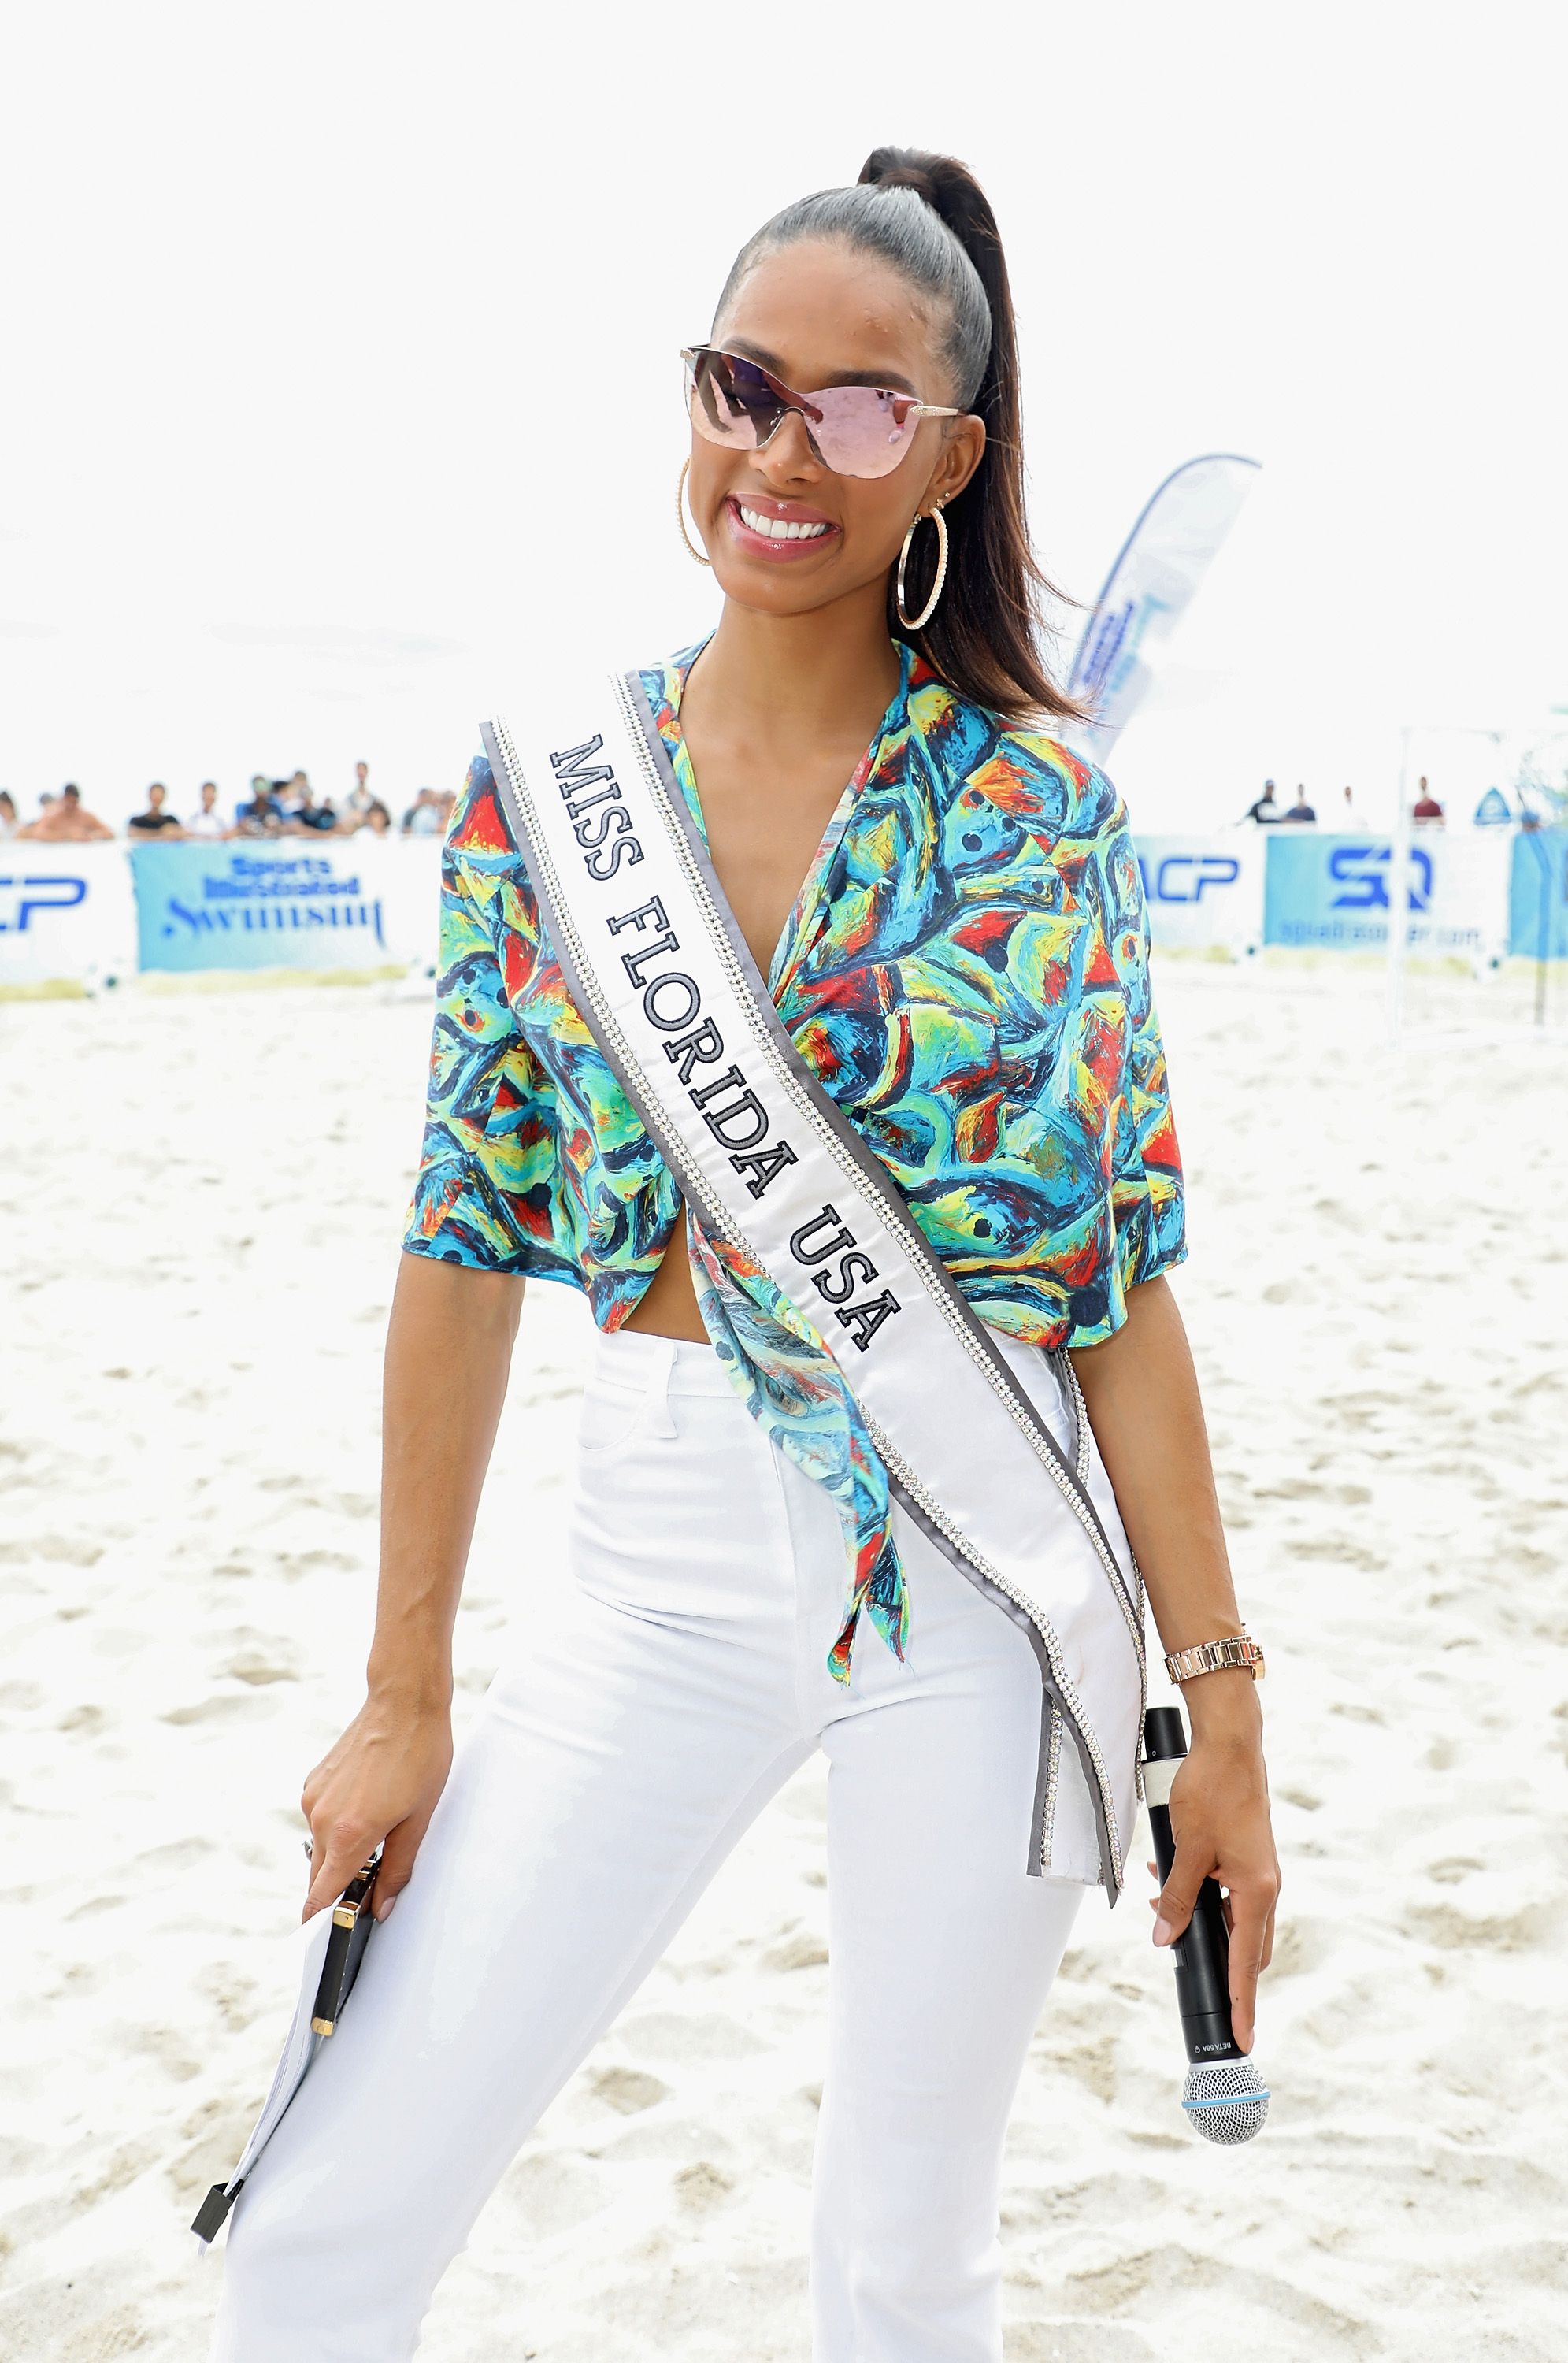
[{"x": 964, "y": 968}]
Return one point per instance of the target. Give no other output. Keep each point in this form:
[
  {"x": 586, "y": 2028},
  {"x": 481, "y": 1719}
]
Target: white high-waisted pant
[{"x": 615, "y": 1763}]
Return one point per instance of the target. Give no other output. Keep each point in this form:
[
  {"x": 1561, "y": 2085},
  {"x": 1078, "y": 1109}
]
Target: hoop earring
[
  {"x": 692, "y": 550},
  {"x": 917, "y": 623}
]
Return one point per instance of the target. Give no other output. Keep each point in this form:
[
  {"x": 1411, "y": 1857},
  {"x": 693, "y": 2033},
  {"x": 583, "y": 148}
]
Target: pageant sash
[{"x": 656, "y": 963}]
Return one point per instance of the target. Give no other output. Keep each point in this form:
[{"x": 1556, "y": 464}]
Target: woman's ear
[{"x": 962, "y": 449}]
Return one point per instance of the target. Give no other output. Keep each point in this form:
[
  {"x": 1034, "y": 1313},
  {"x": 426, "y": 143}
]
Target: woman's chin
[{"x": 784, "y": 592}]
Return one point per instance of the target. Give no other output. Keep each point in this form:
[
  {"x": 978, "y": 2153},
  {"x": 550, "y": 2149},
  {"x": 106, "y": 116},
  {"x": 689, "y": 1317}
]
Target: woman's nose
[{"x": 787, "y": 457}]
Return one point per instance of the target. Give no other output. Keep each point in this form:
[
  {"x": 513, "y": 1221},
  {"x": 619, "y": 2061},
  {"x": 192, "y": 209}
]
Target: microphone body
[{"x": 1225, "y": 2098}]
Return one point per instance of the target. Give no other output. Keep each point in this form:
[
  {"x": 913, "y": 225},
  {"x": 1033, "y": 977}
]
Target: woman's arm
[
  {"x": 448, "y": 1353},
  {"x": 1143, "y": 1405}
]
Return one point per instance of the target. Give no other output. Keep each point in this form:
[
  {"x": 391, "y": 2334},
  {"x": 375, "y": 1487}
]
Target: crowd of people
[
  {"x": 291, "y": 808},
  {"x": 1266, "y": 809},
  {"x": 273, "y": 808}
]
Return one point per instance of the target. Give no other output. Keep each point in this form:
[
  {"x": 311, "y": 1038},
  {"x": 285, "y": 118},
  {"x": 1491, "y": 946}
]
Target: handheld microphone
[{"x": 1225, "y": 2098}]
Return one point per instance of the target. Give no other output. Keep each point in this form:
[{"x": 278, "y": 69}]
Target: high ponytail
[{"x": 928, "y": 216}]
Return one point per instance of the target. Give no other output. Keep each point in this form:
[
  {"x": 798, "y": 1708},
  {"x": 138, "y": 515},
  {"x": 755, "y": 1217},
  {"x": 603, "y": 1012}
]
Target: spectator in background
[
  {"x": 423, "y": 817},
  {"x": 260, "y": 817},
  {"x": 1300, "y": 809},
  {"x": 65, "y": 820},
  {"x": 1347, "y": 811},
  {"x": 308, "y": 814},
  {"x": 1265, "y": 809},
  {"x": 359, "y": 800},
  {"x": 157, "y": 820},
  {"x": 1426, "y": 806},
  {"x": 375, "y": 818},
  {"x": 209, "y": 821},
  {"x": 8, "y": 821},
  {"x": 292, "y": 795}
]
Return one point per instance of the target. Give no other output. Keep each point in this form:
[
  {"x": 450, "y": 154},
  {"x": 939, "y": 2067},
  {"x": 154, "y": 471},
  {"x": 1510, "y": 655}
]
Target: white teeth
[{"x": 779, "y": 529}]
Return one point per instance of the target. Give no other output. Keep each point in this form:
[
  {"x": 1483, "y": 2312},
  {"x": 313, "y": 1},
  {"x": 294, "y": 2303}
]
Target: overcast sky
[{"x": 341, "y": 395}]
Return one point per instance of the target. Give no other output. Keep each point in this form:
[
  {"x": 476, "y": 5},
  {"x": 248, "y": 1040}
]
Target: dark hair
[{"x": 928, "y": 216}]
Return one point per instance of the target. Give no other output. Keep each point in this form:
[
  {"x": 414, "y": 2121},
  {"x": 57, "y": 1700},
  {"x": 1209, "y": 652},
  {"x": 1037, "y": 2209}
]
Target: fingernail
[
  {"x": 1162, "y": 1932},
  {"x": 387, "y": 1908}
]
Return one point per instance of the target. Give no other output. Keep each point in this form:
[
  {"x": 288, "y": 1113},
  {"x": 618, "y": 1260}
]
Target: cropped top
[{"x": 965, "y": 969}]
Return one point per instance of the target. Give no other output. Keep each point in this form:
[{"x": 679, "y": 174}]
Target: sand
[{"x": 206, "y": 1195}]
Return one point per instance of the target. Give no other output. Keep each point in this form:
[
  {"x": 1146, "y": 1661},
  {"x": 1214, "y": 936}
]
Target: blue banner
[
  {"x": 1203, "y": 893},
  {"x": 1333, "y": 890},
  {"x": 1538, "y": 894},
  {"x": 1149, "y": 590},
  {"x": 256, "y": 906},
  {"x": 65, "y": 914}
]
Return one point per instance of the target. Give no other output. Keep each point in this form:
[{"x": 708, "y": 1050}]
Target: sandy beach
[{"x": 206, "y": 1193}]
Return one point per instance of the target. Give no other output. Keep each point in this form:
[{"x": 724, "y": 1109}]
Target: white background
[{"x": 340, "y": 379}]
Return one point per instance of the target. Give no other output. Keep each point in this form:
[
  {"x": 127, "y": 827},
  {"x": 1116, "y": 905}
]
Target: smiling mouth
[{"x": 780, "y": 528}]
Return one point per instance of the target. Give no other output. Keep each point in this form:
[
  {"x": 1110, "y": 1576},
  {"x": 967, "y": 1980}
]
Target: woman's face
[{"x": 820, "y": 313}]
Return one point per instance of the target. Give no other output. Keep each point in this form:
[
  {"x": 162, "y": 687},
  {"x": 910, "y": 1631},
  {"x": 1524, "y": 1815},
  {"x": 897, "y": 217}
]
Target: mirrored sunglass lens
[
  {"x": 732, "y": 402},
  {"x": 863, "y": 430}
]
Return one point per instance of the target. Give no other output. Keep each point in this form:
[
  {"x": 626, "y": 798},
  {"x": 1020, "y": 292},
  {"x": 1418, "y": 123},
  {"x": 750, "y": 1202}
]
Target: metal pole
[{"x": 1399, "y": 892}]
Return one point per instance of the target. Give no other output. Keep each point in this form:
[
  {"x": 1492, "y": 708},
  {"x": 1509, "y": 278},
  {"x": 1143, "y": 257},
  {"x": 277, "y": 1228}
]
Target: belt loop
[{"x": 661, "y": 1420}]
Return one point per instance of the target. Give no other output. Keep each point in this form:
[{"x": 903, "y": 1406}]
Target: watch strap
[{"x": 1212, "y": 1657}]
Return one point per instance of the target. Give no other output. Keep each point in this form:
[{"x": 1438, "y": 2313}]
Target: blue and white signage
[
  {"x": 1332, "y": 893},
  {"x": 65, "y": 914},
  {"x": 1538, "y": 894},
  {"x": 256, "y": 906},
  {"x": 1203, "y": 893}
]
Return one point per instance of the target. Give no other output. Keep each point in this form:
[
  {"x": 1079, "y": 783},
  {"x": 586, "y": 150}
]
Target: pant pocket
[{"x": 611, "y": 1416}]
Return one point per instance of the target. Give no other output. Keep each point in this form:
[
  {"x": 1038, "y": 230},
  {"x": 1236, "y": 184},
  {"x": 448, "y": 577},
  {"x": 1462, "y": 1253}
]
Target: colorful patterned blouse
[{"x": 966, "y": 969}]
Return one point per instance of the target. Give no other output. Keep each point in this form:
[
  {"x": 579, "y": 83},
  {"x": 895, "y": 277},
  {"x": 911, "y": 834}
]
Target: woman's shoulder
[
  {"x": 479, "y": 828},
  {"x": 481, "y": 859},
  {"x": 1020, "y": 765}
]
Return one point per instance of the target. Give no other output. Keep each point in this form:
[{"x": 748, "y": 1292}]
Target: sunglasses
[{"x": 855, "y": 430}]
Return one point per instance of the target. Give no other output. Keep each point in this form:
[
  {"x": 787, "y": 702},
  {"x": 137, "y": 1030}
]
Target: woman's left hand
[{"x": 1220, "y": 1821}]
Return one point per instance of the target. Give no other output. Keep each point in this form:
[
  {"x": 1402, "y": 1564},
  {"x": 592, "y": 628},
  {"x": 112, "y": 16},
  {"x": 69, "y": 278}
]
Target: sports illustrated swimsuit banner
[
  {"x": 655, "y": 962},
  {"x": 358, "y": 903}
]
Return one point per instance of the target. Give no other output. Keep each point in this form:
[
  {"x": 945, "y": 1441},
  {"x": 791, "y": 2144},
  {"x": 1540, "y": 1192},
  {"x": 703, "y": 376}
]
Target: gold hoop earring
[
  {"x": 917, "y": 623},
  {"x": 681, "y": 516}
]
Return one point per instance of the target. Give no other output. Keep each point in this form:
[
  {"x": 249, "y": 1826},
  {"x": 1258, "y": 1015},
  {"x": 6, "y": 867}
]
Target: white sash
[{"x": 656, "y": 963}]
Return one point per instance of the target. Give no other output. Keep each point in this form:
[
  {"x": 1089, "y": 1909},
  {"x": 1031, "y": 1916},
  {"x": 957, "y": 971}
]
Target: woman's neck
[{"x": 818, "y": 676}]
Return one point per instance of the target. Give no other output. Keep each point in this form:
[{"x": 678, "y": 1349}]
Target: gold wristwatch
[{"x": 1210, "y": 1657}]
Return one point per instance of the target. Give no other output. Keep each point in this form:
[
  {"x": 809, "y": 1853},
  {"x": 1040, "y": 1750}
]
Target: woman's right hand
[{"x": 380, "y": 1780}]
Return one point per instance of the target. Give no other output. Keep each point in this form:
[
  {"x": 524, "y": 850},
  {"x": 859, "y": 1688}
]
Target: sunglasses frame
[{"x": 801, "y": 404}]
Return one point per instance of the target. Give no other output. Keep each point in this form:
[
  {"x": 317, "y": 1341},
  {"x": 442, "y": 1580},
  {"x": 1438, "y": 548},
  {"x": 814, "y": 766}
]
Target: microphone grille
[{"x": 1225, "y": 2100}]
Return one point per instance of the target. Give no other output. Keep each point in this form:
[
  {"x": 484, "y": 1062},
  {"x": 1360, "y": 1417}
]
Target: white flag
[{"x": 1148, "y": 591}]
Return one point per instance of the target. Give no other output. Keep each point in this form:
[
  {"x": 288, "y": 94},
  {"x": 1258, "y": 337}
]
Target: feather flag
[{"x": 1149, "y": 590}]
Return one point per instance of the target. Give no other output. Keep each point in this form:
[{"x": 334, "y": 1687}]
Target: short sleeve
[
  {"x": 1147, "y": 1196},
  {"x": 488, "y": 1167}
]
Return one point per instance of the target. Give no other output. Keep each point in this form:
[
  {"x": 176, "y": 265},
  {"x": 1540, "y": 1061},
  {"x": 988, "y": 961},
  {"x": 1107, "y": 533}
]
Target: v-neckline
[{"x": 803, "y": 910}]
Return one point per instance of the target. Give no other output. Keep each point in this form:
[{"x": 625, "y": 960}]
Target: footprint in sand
[
  {"x": 221, "y": 1709},
  {"x": 629, "y": 2090},
  {"x": 671, "y": 2035},
  {"x": 802, "y": 1951},
  {"x": 88, "y": 1719},
  {"x": 179, "y": 1854},
  {"x": 703, "y": 2185},
  {"x": 256, "y": 1667}
]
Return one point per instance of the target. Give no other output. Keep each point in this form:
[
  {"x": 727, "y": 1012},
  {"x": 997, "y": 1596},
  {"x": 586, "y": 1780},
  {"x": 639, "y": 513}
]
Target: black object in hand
[{"x": 1225, "y": 2098}]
